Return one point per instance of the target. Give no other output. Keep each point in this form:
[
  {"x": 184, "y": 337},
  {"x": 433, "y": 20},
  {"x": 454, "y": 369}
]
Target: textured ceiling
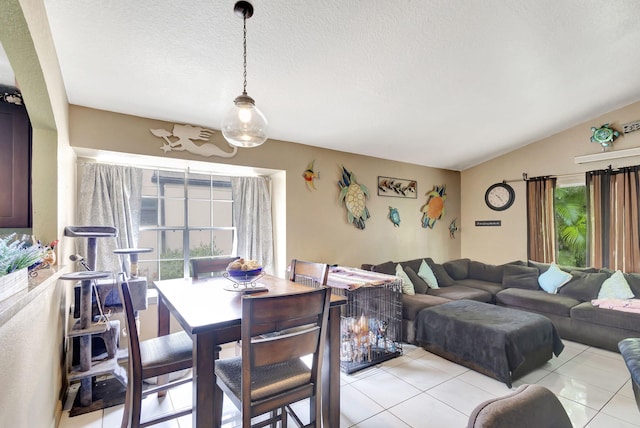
[{"x": 440, "y": 83}]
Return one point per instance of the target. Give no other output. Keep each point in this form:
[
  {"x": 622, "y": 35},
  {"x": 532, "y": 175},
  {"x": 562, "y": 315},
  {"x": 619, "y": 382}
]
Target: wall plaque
[{"x": 488, "y": 222}]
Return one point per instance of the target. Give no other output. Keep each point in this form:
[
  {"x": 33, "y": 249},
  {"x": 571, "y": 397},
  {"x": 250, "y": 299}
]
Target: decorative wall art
[
  {"x": 185, "y": 137},
  {"x": 453, "y": 228},
  {"x": 397, "y": 187},
  {"x": 604, "y": 136},
  {"x": 394, "y": 216},
  {"x": 631, "y": 127},
  {"x": 10, "y": 95},
  {"x": 434, "y": 208},
  {"x": 354, "y": 196},
  {"x": 309, "y": 175}
]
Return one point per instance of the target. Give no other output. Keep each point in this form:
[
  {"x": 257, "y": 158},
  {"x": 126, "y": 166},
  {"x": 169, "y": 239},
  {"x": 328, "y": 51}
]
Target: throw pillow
[
  {"x": 444, "y": 280},
  {"x": 633, "y": 279},
  {"x": 407, "y": 285},
  {"x": 457, "y": 269},
  {"x": 517, "y": 276},
  {"x": 542, "y": 267},
  {"x": 615, "y": 287},
  {"x": 583, "y": 286},
  {"x": 428, "y": 276},
  {"x": 485, "y": 272},
  {"x": 419, "y": 286},
  {"x": 553, "y": 279},
  {"x": 387, "y": 267}
]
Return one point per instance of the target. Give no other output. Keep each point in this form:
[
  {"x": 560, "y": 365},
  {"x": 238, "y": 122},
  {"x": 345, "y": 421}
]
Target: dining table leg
[
  {"x": 331, "y": 372},
  {"x": 204, "y": 413},
  {"x": 164, "y": 327}
]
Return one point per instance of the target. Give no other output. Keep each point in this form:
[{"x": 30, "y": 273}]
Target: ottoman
[{"x": 500, "y": 342}]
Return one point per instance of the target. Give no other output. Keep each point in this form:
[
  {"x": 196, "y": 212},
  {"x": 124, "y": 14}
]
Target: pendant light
[{"x": 244, "y": 125}]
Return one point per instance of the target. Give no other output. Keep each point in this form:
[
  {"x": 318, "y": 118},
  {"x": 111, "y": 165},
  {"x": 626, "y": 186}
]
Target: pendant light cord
[{"x": 244, "y": 45}]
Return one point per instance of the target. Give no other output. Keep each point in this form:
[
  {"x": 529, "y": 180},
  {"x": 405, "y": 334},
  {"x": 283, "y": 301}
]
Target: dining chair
[
  {"x": 309, "y": 273},
  {"x": 150, "y": 358},
  {"x": 214, "y": 266},
  {"x": 277, "y": 330},
  {"x": 210, "y": 267}
]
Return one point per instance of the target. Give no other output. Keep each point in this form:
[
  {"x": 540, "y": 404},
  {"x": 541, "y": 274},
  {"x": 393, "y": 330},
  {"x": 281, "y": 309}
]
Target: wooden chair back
[
  {"x": 162, "y": 355},
  {"x": 210, "y": 267},
  {"x": 309, "y": 273},
  {"x": 279, "y": 329}
]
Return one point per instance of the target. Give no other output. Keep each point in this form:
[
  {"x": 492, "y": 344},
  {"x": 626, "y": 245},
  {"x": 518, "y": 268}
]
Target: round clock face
[{"x": 499, "y": 196}]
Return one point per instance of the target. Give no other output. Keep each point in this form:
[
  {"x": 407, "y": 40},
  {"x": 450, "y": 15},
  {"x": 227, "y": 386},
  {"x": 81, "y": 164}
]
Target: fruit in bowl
[{"x": 244, "y": 270}]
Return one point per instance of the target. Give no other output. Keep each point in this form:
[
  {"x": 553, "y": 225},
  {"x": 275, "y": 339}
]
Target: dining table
[{"x": 210, "y": 311}]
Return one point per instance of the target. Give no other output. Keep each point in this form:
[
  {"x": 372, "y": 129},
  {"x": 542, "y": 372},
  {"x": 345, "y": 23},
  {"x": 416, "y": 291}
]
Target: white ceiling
[{"x": 442, "y": 83}]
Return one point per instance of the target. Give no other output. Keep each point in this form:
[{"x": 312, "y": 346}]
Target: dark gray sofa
[{"x": 515, "y": 285}]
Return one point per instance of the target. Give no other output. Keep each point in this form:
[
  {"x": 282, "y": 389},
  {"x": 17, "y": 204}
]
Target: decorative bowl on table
[{"x": 244, "y": 275}]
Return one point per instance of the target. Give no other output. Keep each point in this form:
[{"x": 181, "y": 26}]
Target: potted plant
[{"x": 16, "y": 256}]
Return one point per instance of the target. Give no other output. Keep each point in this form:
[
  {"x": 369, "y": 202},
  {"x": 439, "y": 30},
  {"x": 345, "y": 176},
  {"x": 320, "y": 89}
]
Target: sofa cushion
[
  {"x": 608, "y": 317},
  {"x": 615, "y": 287},
  {"x": 537, "y": 301},
  {"x": 457, "y": 269},
  {"x": 427, "y": 275},
  {"x": 583, "y": 286},
  {"x": 553, "y": 278},
  {"x": 407, "y": 285},
  {"x": 457, "y": 292},
  {"x": 413, "y": 264},
  {"x": 419, "y": 286},
  {"x": 411, "y": 305},
  {"x": 490, "y": 287},
  {"x": 516, "y": 276},
  {"x": 444, "y": 280},
  {"x": 387, "y": 267},
  {"x": 485, "y": 272},
  {"x": 633, "y": 279},
  {"x": 542, "y": 267}
]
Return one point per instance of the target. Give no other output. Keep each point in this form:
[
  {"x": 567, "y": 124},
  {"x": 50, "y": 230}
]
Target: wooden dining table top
[{"x": 207, "y": 302}]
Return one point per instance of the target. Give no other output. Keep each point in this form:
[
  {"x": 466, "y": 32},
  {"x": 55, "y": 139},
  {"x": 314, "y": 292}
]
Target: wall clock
[{"x": 499, "y": 196}]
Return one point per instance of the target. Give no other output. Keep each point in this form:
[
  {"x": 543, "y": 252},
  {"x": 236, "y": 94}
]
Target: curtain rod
[{"x": 525, "y": 176}]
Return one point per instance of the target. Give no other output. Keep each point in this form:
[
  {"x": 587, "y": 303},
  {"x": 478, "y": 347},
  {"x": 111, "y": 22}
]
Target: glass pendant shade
[{"x": 244, "y": 125}]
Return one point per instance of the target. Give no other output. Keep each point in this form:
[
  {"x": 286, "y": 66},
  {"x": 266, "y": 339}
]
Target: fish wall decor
[{"x": 309, "y": 175}]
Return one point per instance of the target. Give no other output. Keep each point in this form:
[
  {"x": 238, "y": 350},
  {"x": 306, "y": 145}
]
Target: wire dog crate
[{"x": 371, "y": 321}]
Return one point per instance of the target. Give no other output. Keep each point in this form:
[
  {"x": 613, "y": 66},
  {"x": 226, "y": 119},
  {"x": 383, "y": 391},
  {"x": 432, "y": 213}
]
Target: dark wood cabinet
[{"x": 15, "y": 167}]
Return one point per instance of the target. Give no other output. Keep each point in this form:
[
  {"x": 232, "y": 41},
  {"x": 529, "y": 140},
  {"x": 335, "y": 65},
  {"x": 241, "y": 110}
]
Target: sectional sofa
[{"x": 517, "y": 285}]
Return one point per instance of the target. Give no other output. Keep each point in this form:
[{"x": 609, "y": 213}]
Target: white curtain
[
  {"x": 110, "y": 195},
  {"x": 252, "y": 218}
]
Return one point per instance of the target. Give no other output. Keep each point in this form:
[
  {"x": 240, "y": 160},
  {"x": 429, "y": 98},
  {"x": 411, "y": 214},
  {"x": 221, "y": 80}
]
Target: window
[
  {"x": 570, "y": 206},
  {"x": 184, "y": 215}
]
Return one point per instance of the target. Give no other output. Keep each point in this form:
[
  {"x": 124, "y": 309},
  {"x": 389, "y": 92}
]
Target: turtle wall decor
[
  {"x": 434, "y": 208},
  {"x": 354, "y": 196},
  {"x": 394, "y": 216},
  {"x": 604, "y": 136}
]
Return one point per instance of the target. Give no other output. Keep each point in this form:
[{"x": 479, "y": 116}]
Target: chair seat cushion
[
  {"x": 267, "y": 380},
  {"x": 176, "y": 348}
]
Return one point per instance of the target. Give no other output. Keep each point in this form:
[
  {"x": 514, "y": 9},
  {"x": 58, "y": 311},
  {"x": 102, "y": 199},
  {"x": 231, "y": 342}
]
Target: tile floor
[{"x": 420, "y": 389}]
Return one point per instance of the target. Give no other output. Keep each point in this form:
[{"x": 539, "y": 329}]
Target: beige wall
[
  {"x": 315, "y": 223},
  {"x": 32, "y": 370},
  {"x": 551, "y": 156}
]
